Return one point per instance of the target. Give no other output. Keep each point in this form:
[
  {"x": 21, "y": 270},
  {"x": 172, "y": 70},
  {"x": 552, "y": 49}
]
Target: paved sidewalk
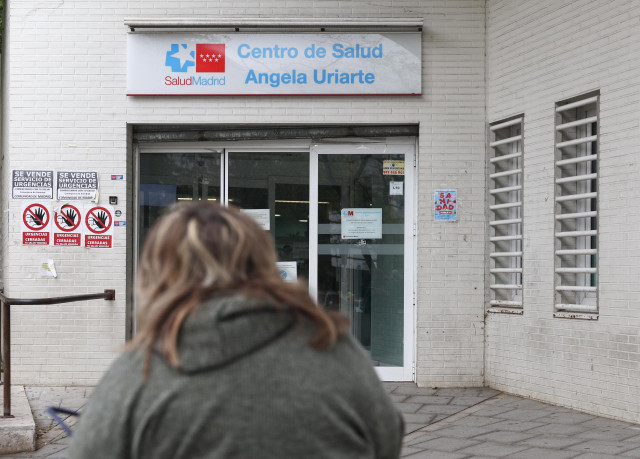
[{"x": 441, "y": 423}]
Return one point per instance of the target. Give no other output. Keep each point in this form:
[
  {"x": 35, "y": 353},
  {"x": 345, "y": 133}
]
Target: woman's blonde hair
[{"x": 200, "y": 250}]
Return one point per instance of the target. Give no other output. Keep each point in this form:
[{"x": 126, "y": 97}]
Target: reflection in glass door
[
  {"x": 363, "y": 267},
  {"x": 166, "y": 178},
  {"x": 340, "y": 220},
  {"x": 273, "y": 187}
]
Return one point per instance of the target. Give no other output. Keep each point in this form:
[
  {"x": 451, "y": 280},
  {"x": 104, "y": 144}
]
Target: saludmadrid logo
[{"x": 206, "y": 58}]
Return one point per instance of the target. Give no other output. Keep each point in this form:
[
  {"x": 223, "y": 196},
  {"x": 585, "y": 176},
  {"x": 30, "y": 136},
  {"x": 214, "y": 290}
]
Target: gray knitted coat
[{"x": 248, "y": 386}]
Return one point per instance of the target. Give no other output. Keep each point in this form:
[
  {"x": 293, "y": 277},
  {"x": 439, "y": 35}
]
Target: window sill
[
  {"x": 575, "y": 315},
  {"x": 495, "y": 310}
]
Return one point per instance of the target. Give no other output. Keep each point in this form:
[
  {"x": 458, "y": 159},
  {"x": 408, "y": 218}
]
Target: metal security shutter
[
  {"x": 576, "y": 207},
  {"x": 505, "y": 215}
]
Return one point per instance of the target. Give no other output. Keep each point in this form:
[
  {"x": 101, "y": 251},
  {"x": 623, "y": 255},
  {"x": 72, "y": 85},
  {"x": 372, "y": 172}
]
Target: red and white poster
[
  {"x": 67, "y": 229},
  {"x": 98, "y": 226},
  {"x": 36, "y": 223}
]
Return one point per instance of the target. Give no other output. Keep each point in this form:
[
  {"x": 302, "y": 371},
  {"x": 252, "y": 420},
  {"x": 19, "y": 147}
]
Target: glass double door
[{"x": 341, "y": 221}]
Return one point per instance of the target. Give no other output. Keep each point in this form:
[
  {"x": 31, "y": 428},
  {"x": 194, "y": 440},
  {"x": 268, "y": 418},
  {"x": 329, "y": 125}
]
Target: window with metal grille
[
  {"x": 505, "y": 214},
  {"x": 576, "y": 207}
]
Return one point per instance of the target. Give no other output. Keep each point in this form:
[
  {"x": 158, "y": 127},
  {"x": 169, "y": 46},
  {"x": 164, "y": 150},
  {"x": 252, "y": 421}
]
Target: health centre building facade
[{"x": 458, "y": 177}]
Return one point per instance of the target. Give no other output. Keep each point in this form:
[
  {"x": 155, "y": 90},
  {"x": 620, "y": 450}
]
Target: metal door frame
[
  {"x": 400, "y": 145},
  {"x": 407, "y": 371}
]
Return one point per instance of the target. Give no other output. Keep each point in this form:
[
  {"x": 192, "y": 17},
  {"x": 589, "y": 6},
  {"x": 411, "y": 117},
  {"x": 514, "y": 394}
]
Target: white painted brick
[
  {"x": 76, "y": 96},
  {"x": 539, "y": 53}
]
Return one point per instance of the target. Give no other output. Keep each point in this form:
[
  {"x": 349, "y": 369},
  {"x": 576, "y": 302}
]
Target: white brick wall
[
  {"x": 539, "y": 53},
  {"x": 67, "y": 109}
]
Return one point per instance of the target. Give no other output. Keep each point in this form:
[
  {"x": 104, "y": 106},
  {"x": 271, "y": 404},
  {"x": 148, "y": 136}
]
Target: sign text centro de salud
[{"x": 285, "y": 64}]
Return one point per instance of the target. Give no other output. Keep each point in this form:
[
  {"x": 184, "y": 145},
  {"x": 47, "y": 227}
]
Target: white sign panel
[
  {"x": 36, "y": 223},
  {"x": 76, "y": 186},
  {"x": 31, "y": 184},
  {"x": 396, "y": 188},
  {"x": 361, "y": 223},
  {"x": 98, "y": 226},
  {"x": 288, "y": 270},
  {"x": 67, "y": 228},
  {"x": 273, "y": 63},
  {"x": 261, "y": 216}
]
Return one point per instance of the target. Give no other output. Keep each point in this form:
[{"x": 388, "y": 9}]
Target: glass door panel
[
  {"x": 361, "y": 262},
  {"x": 357, "y": 254},
  {"x": 274, "y": 189},
  {"x": 166, "y": 178}
]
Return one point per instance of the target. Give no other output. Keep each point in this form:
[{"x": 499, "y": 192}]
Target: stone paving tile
[
  {"x": 493, "y": 449},
  {"x": 429, "y": 399},
  {"x": 543, "y": 453},
  {"x": 476, "y": 421},
  {"x": 438, "y": 455},
  {"x": 449, "y": 444},
  {"x": 607, "y": 433},
  {"x": 635, "y": 439},
  {"x": 413, "y": 390},
  {"x": 465, "y": 431},
  {"x": 467, "y": 400},
  {"x": 604, "y": 423},
  {"x": 515, "y": 426},
  {"x": 421, "y": 419},
  {"x": 525, "y": 415},
  {"x": 551, "y": 441},
  {"x": 398, "y": 398},
  {"x": 525, "y": 403},
  {"x": 632, "y": 453},
  {"x": 504, "y": 436},
  {"x": 468, "y": 391},
  {"x": 408, "y": 428},
  {"x": 492, "y": 411},
  {"x": 440, "y": 409},
  {"x": 390, "y": 386},
  {"x": 418, "y": 437},
  {"x": 595, "y": 456},
  {"x": 601, "y": 447},
  {"x": 408, "y": 407},
  {"x": 568, "y": 417},
  {"x": 553, "y": 428}
]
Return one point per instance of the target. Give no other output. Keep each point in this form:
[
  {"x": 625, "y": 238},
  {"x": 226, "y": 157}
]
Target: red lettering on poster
[
  {"x": 35, "y": 238},
  {"x": 93, "y": 241},
  {"x": 70, "y": 239}
]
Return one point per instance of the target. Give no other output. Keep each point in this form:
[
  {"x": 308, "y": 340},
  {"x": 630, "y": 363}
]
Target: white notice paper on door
[
  {"x": 288, "y": 270},
  {"x": 261, "y": 216},
  {"x": 396, "y": 188},
  {"x": 361, "y": 223}
]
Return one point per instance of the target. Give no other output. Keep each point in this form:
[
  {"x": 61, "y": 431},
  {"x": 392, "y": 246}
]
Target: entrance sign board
[
  {"x": 67, "y": 229},
  {"x": 31, "y": 184},
  {"x": 36, "y": 223},
  {"x": 76, "y": 186},
  {"x": 98, "y": 227},
  {"x": 273, "y": 63},
  {"x": 361, "y": 223}
]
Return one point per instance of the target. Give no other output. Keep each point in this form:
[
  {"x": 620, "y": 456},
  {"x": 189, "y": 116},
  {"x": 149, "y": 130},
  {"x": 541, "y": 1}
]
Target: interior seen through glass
[{"x": 360, "y": 268}]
